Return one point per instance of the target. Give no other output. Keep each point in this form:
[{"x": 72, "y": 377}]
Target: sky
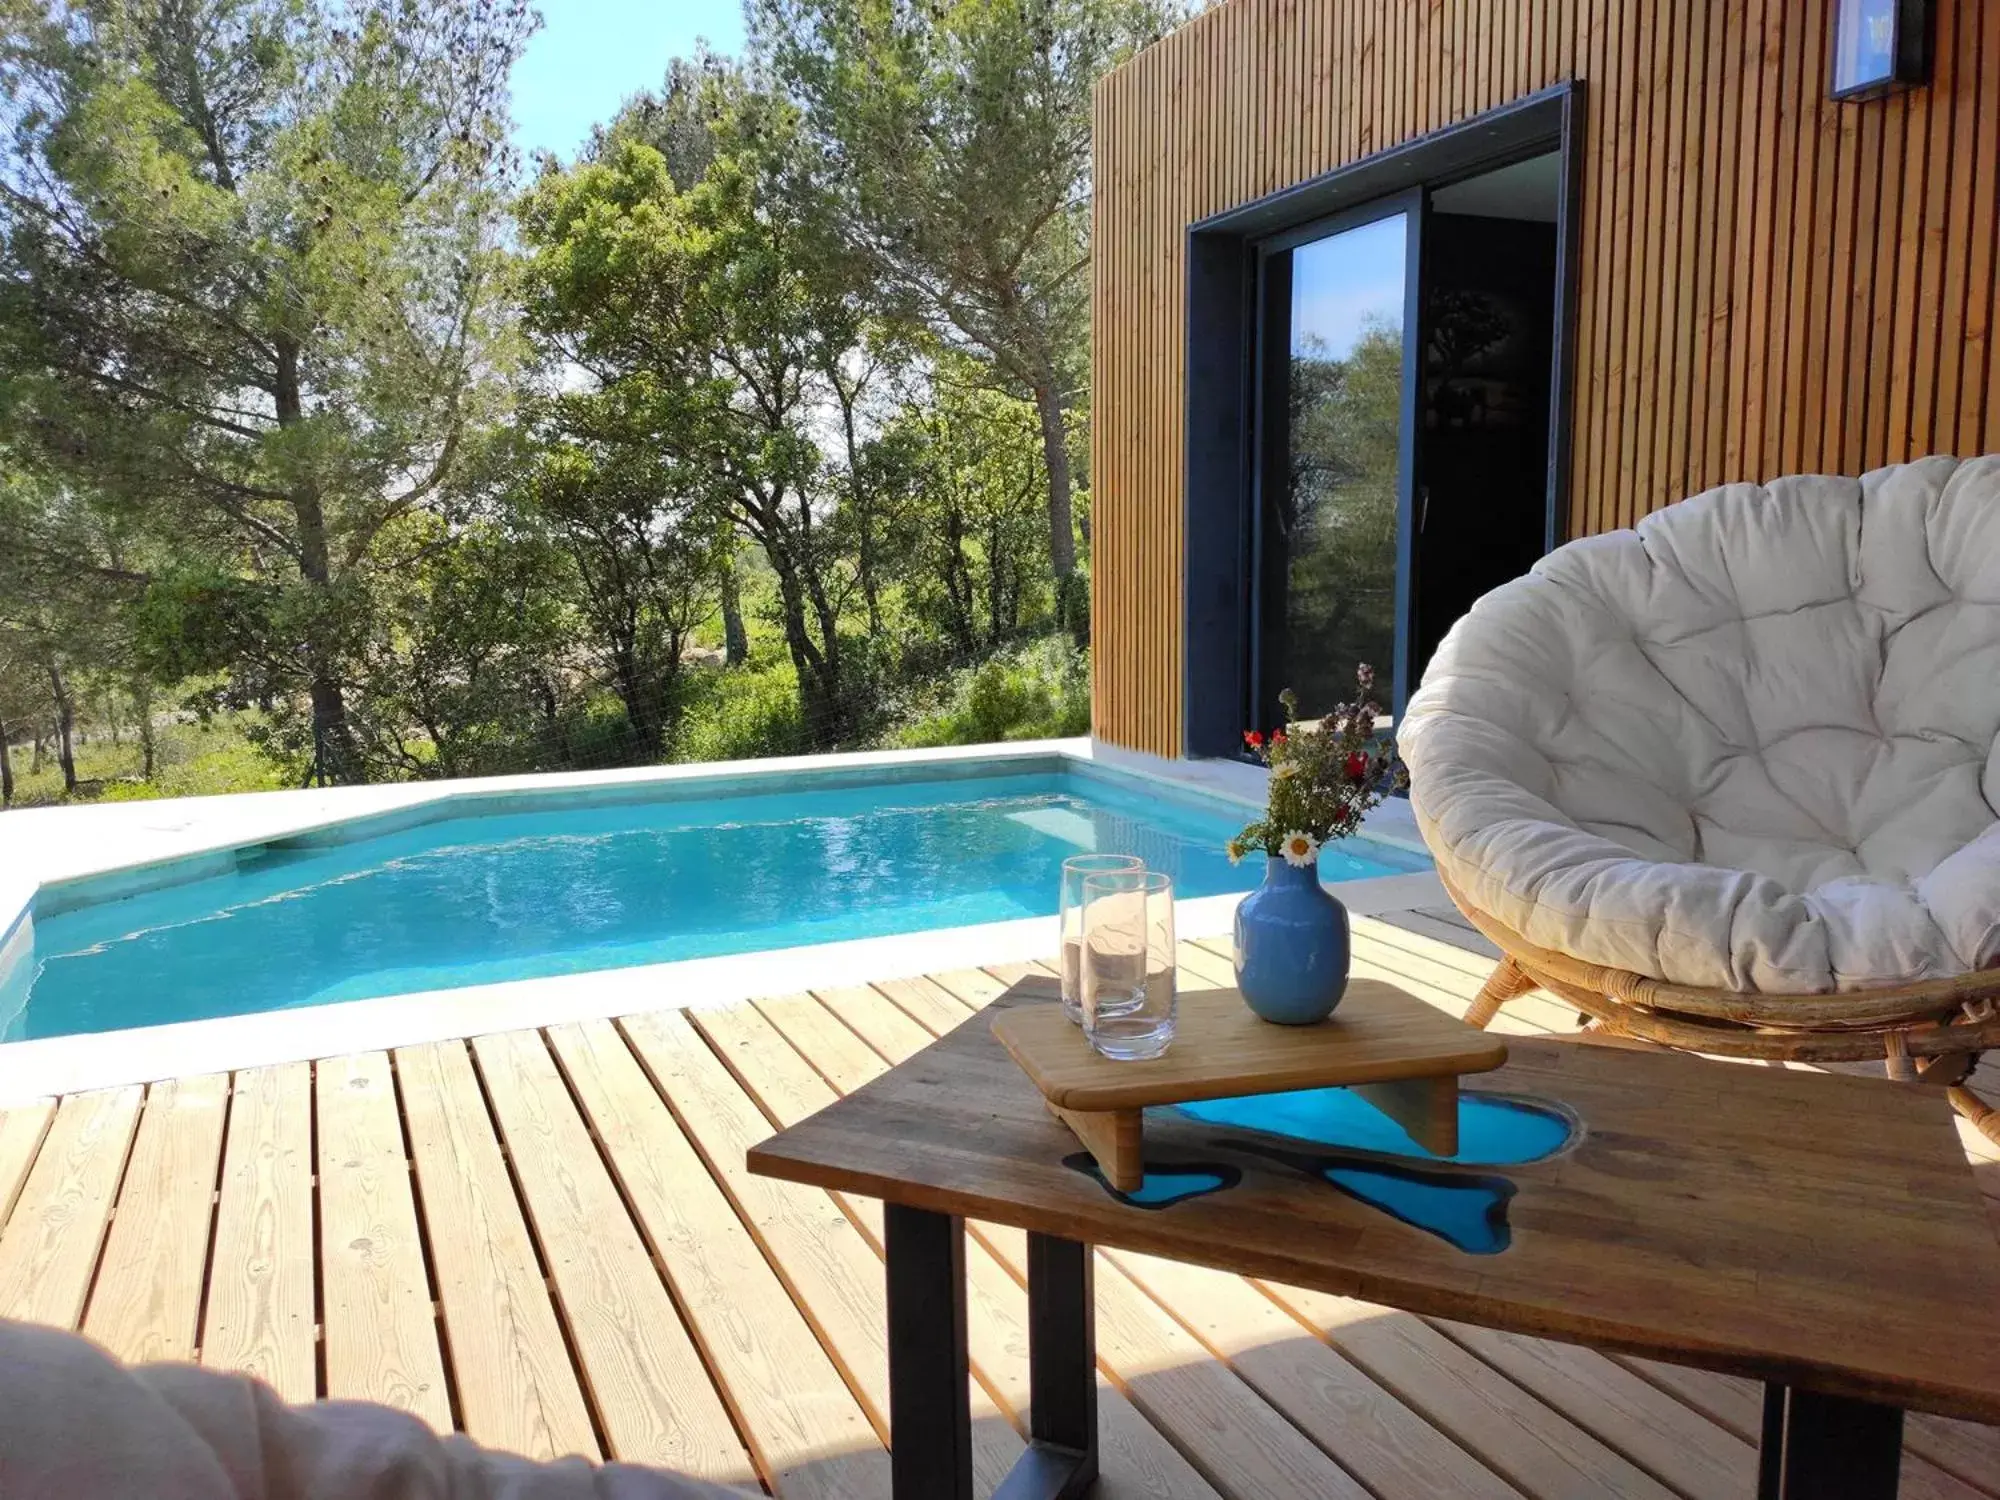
[
  {"x": 1341, "y": 283},
  {"x": 591, "y": 55}
]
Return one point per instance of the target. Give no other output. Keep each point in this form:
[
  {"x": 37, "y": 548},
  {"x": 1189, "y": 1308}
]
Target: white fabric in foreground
[
  {"x": 1750, "y": 744},
  {"x": 76, "y": 1425}
]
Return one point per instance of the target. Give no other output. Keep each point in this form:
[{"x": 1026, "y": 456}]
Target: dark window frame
[{"x": 1224, "y": 312}]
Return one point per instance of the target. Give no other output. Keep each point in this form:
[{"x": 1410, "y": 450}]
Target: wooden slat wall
[{"x": 1770, "y": 282}]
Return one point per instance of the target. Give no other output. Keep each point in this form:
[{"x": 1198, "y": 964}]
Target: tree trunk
[
  {"x": 336, "y": 756},
  {"x": 642, "y": 705},
  {"x": 148, "y": 743},
  {"x": 65, "y": 727},
  {"x": 735, "y": 640},
  {"x": 1062, "y": 526},
  {"x": 864, "y": 518},
  {"x": 6, "y": 769}
]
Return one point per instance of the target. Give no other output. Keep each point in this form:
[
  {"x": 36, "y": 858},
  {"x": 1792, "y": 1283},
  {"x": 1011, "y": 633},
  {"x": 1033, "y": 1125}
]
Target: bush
[
  {"x": 743, "y": 713},
  {"x": 1033, "y": 692}
]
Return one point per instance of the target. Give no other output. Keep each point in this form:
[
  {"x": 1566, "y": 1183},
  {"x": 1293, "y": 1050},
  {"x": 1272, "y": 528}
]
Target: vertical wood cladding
[{"x": 1770, "y": 282}]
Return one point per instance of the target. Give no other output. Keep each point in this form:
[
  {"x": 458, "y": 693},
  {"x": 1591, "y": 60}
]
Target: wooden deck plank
[
  {"x": 147, "y": 1302},
  {"x": 381, "y": 1336},
  {"x": 825, "y": 1261},
  {"x": 1237, "y": 1442},
  {"x": 706, "y": 1095},
  {"x": 1537, "y": 1448},
  {"x": 50, "y": 1245},
  {"x": 1671, "y": 1441},
  {"x": 651, "y": 1391},
  {"x": 1738, "y": 1405},
  {"x": 1968, "y": 1450},
  {"x": 807, "y": 1432},
  {"x": 1367, "y": 1430},
  {"x": 924, "y": 1001},
  {"x": 22, "y": 1128},
  {"x": 888, "y": 1030},
  {"x": 1475, "y": 966},
  {"x": 1135, "y": 1459},
  {"x": 516, "y": 1387},
  {"x": 261, "y": 1272}
]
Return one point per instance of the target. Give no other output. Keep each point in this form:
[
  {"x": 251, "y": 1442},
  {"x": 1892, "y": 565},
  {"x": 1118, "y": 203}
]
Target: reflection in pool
[{"x": 1359, "y": 1151}]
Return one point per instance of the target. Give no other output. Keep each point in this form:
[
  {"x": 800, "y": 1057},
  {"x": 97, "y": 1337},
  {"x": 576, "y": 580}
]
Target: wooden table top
[
  {"x": 1379, "y": 1034},
  {"x": 1809, "y": 1228}
]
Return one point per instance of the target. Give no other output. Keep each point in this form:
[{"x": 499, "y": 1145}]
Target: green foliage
[
  {"x": 193, "y": 758},
  {"x": 313, "y": 419},
  {"x": 953, "y": 141},
  {"x": 245, "y": 282},
  {"x": 1041, "y": 691},
  {"x": 745, "y": 713},
  {"x": 1337, "y": 520}
]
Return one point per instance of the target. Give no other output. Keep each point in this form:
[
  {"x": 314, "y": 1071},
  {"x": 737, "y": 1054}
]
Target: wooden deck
[{"x": 548, "y": 1240}]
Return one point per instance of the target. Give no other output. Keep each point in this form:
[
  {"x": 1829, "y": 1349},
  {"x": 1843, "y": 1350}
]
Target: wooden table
[{"x": 1817, "y": 1232}]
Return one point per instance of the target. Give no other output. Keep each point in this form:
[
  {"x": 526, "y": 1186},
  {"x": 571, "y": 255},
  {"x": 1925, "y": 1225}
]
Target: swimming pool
[{"x": 548, "y": 883}]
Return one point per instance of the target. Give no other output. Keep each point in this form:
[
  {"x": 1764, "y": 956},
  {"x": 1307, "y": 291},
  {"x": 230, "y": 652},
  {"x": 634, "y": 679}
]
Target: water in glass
[
  {"x": 1127, "y": 963},
  {"x": 1070, "y": 919}
]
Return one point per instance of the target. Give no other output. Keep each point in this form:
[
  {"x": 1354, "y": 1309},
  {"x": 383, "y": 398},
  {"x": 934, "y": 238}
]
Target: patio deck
[{"x": 548, "y": 1240}]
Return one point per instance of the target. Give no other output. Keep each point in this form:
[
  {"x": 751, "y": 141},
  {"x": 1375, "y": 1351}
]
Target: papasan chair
[{"x": 1727, "y": 782}]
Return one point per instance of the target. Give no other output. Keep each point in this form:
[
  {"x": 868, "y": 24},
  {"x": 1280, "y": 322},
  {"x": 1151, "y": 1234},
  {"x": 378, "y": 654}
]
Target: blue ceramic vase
[{"x": 1291, "y": 946}]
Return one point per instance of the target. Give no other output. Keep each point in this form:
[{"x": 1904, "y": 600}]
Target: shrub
[
  {"x": 1037, "y": 691},
  {"x": 744, "y": 713}
]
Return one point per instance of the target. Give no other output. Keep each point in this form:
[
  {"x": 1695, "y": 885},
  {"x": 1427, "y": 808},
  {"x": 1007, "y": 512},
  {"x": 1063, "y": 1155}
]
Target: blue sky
[
  {"x": 1342, "y": 283},
  {"x": 591, "y": 55}
]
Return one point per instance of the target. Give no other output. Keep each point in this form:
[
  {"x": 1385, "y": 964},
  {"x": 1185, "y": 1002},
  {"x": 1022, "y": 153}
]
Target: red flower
[
  {"x": 1253, "y": 739},
  {"x": 1277, "y": 736},
  {"x": 1357, "y": 766}
]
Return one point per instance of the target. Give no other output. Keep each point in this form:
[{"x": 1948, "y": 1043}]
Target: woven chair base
[{"x": 1929, "y": 1033}]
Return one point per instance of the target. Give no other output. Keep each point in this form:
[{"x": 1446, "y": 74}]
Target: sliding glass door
[{"x": 1336, "y": 385}]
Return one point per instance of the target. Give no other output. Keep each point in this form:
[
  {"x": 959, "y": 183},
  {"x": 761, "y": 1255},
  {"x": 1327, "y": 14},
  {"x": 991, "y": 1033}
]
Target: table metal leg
[
  {"x": 1061, "y": 1461},
  {"x": 1819, "y": 1447},
  {"x": 930, "y": 1411}
]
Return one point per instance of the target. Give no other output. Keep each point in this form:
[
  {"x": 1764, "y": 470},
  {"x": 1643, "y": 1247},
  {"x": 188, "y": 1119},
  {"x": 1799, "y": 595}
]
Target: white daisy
[{"x": 1299, "y": 849}]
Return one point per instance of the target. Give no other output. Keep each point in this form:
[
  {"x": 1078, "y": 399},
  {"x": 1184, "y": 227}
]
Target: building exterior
[{"x": 1744, "y": 277}]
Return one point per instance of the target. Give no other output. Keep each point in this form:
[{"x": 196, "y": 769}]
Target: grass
[{"x": 190, "y": 760}]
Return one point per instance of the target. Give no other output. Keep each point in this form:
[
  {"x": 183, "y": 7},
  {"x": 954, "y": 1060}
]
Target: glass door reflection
[{"x": 1334, "y": 453}]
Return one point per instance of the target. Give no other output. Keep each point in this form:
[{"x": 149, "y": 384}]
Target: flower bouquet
[{"x": 1326, "y": 774}]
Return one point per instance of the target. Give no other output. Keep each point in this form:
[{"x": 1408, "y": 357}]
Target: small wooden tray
[{"x": 1401, "y": 1055}]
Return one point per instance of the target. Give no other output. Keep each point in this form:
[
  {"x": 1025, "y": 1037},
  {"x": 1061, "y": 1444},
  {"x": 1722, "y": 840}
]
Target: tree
[
  {"x": 954, "y": 140},
  {"x": 245, "y": 249},
  {"x": 974, "y": 575},
  {"x": 64, "y": 590},
  {"x": 646, "y": 562},
  {"x": 704, "y": 317},
  {"x": 465, "y": 642}
]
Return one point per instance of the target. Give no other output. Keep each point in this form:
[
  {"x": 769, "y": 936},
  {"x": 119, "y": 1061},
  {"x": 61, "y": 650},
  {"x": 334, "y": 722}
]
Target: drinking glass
[
  {"x": 1070, "y": 917},
  {"x": 1128, "y": 963}
]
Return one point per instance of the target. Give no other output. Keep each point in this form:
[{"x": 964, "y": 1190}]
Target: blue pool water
[{"x": 558, "y": 884}]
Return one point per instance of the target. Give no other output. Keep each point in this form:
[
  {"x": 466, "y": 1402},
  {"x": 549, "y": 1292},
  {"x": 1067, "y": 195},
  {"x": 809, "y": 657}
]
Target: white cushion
[{"x": 1750, "y": 744}]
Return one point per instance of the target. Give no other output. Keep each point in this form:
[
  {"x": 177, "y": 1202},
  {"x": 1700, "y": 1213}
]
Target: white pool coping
[{"x": 43, "y": 846}]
